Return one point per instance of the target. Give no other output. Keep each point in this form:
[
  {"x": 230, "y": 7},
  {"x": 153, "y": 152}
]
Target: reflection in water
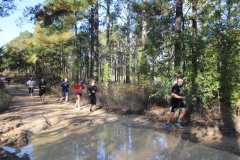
[{"x": 115, "y": 142}]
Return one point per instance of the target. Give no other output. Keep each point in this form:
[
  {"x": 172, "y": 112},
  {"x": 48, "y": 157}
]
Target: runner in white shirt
[{"x": 30, "y": 84}]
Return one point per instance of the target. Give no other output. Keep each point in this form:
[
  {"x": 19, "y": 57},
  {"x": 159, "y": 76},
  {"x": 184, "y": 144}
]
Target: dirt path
[{"x": 27, "y": 114}]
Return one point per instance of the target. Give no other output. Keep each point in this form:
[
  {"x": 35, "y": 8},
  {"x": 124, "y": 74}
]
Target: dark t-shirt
[
  {"x": 42, "y": 85},
  {"x": 179, "y": 91},
  {"x": 92, "y": 90},
  {"x": 8, "y": 79},
  {"x": 65, "y": 86}
]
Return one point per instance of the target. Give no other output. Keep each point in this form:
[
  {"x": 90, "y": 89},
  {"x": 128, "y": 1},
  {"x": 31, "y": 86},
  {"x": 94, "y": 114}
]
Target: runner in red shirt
[{"x": 78, "y": 88}]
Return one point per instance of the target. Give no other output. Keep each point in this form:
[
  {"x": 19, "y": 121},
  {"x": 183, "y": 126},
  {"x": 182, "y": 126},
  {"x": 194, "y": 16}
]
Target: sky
[{"x": 8, "y": 24}]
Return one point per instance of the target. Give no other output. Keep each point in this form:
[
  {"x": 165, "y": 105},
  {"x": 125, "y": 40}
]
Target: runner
[
  {"x": 30, "y": 84},
  {"x": 176, "y": 103},
  {"x": 92, "y": 94},
  {"x": 42, "y": 89},
  {"x": 78, "y": 88},
  {"x": 8, "y": 79},
  {"x": 65, "y": 85}
]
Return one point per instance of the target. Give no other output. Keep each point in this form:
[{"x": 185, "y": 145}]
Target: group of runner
[
  {"x": 177, "y": 98},
  {"x": 65, "y": 85}
]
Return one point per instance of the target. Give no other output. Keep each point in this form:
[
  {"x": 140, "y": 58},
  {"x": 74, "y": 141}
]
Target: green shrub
[{"x": 4, "y": 98}]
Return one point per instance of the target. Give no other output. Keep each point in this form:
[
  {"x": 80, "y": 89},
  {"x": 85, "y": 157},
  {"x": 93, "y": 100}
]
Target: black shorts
[
  {"x": 175, "y": 106},
  {"x": 30, "y": 89},
  {"x": 42, "y": 92},
  {"x": 78, "y": 94},
  {"x": 92, "y": 100}
]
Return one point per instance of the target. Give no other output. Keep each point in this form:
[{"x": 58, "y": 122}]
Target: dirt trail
[{"x": 28, "y": 114}]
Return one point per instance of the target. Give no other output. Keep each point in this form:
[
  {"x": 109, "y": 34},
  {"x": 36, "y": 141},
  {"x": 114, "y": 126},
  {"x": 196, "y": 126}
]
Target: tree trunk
[
  {"x": 96, "y": 39},
  {"x": 108, "y": 24},
  {"x": 108, "y": 58},
  {"x": 92, "y": 42},
  {"x": 75, "y": 69},
  {"x": 178, "y": 25},
  {"x": 194, "y": 47},
  {"x": 143, "y": 68},
  {"x": 128, "y": 43}
]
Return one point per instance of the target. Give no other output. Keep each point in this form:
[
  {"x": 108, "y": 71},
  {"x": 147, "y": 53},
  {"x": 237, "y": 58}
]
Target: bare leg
[
  {"x": 43, "y": 97},
  {"x": 79, "y": 100},
  {"x": 171, "y": 114},
  {"x": 77, "y": 104},
  {"x": 62, "y": 98},
  {"x": 182, "y": 114},
  {"x": 91, "y": 108}
]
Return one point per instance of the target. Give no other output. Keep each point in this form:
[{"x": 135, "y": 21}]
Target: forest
[{"x": 133, "y": 47}]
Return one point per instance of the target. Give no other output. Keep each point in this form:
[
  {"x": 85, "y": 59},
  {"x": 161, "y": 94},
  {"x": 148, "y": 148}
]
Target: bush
[
  {"x": 128, "y": 97},
  {"x": 4, "y": 98}
]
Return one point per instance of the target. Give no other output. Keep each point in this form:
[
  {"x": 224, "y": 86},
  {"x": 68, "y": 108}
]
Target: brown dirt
[{"x": 27, "y": 114}]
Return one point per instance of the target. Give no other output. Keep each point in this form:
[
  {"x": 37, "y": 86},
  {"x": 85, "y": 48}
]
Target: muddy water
[{"x": 117, "y": 142}]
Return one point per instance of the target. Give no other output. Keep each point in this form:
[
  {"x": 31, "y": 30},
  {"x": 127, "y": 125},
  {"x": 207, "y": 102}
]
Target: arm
[
  {"x": 89, "y": 91},
  {"x": 44, "y": 85},
  {"x": 95, "y": 88},
  {"x": 174, "y": 95}
]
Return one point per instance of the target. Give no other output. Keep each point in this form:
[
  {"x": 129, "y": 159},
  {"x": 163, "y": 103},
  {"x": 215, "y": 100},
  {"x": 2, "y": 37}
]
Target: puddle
[{"x": 117, "y": 142}]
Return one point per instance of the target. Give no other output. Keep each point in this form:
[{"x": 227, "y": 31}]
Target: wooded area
[{"x": 137, "y": 42}]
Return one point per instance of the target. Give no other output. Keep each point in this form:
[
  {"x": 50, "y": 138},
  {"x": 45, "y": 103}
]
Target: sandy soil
[{"x": 27, "y": 114}]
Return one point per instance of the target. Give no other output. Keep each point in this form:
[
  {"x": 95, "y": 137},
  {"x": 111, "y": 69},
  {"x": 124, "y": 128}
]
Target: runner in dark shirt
[
  {"x": 177, "y": 103},
  {"x": 42, "y": 89},
  {"x": 92, "y": 90},
  {"x": 8, "y": 79}
]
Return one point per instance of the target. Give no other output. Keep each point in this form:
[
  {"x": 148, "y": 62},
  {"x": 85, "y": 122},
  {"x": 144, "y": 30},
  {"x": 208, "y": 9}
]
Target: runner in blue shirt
[{"x": 65, "y": 89}]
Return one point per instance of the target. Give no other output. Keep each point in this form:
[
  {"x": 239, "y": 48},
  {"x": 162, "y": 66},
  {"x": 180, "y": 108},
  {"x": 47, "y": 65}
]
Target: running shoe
[
  {"x": 168, "y": 126},
  {"x": 179, "y": 125}
]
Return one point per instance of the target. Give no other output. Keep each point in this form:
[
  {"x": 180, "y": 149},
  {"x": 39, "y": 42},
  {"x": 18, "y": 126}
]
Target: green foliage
[
  {"x": 4, "y": 98},
  {"x": 16, "y": 55},
  {"x": 65, "y": 46},
  {"x": 6, "y": 7}
]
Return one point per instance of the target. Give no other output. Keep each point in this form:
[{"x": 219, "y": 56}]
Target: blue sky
[{"x": 8, "y": 25}]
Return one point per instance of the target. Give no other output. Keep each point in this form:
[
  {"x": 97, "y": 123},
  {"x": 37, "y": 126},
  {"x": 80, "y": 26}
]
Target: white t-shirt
[{"x": 30, "y": 83}]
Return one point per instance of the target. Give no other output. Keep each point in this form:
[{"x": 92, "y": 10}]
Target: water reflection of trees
[{"x": 114, "y": 141}]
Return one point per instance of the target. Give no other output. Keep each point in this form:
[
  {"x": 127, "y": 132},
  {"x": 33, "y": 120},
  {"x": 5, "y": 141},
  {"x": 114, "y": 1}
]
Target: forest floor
[{"x": 27, "y": 114}]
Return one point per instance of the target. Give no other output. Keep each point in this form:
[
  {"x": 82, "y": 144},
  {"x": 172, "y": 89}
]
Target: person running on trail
[
  {"x": 42, "y": 89},
  {"x": 92, "y": 89},
  {"x": 30, "y": 84},
  {"x": 65, "y": 89},
  {"x": 78, "y": 88},
  {"x": 176, "y": 102},
  {"x": 8, "y": 79}
]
